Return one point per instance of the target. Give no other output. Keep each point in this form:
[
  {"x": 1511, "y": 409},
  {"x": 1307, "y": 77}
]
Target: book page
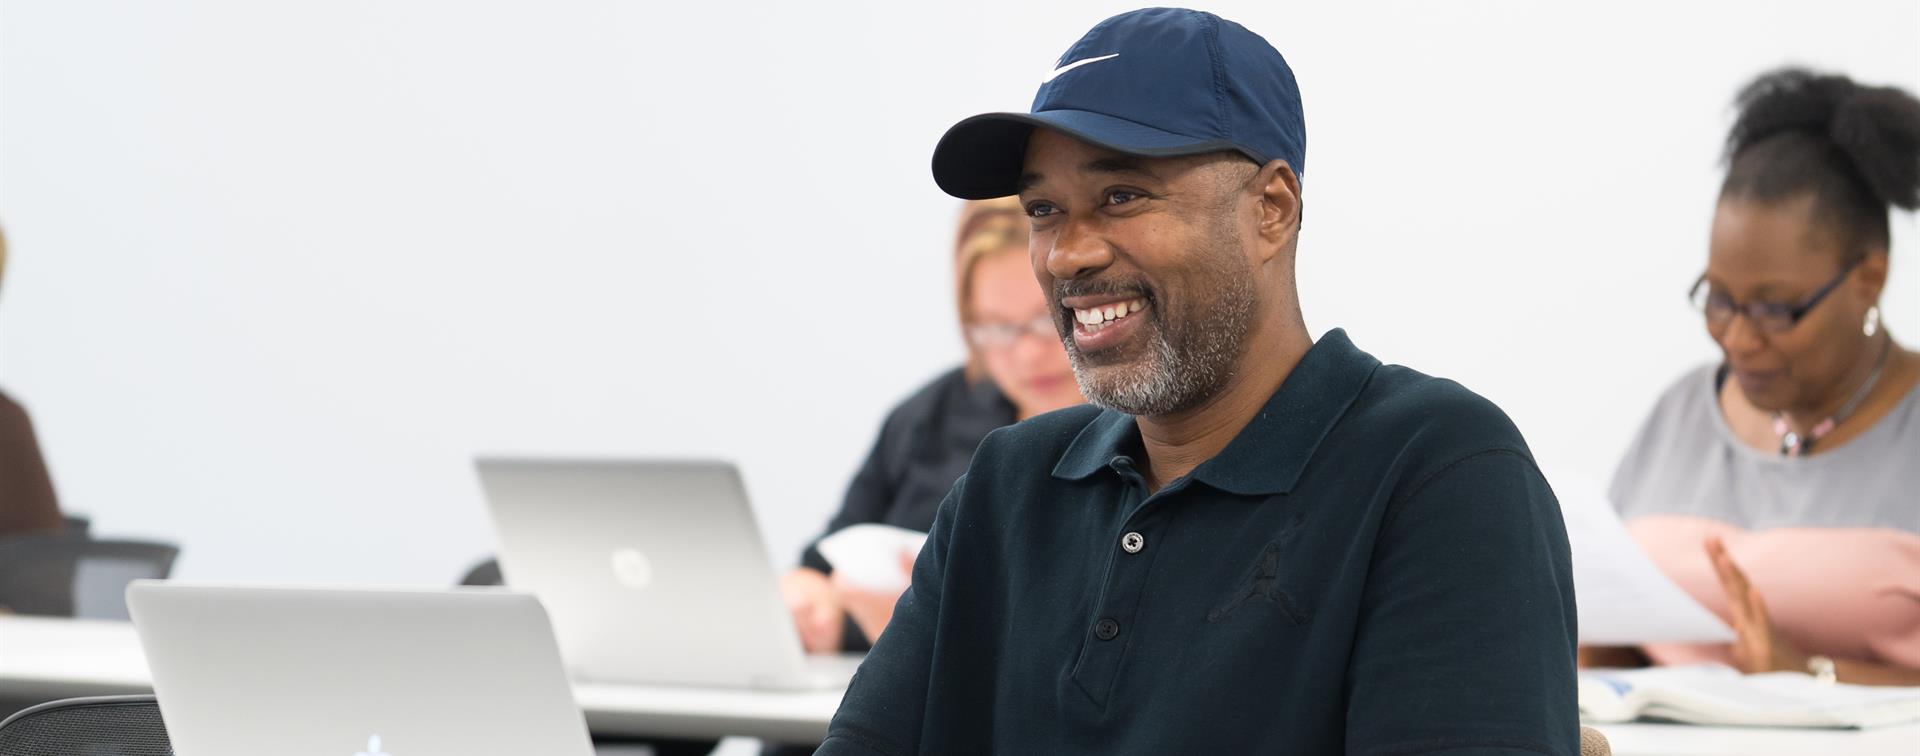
[{"x": 1712, "y": 694}]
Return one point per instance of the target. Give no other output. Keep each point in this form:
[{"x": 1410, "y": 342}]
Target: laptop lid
[
  {"x": 654, "y": 570},
  {"x": 318, "y": 672}
]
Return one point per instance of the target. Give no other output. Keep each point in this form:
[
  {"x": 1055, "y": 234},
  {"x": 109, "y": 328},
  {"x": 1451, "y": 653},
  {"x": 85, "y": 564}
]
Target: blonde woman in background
[
  {"x": 1016, "y": 368},
  {"x": 27, "y": 504}
]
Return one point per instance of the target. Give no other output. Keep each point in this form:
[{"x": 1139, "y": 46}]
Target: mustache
[{"x": 1087, "y": 287}]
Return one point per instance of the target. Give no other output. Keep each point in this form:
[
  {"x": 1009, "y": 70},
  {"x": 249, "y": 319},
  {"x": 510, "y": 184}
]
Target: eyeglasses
[
  {"x": 1002, "y": 335},
  {"x": 1771, "y": 317}
]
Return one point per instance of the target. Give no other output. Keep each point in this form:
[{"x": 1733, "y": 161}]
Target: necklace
[{"x": 1792, "y": 444}]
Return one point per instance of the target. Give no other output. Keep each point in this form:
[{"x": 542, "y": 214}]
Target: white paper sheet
[
  {"x": 1623, "y": 598},
  {"x": 868, "y": 555}
]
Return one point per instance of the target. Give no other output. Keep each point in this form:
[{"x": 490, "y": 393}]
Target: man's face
[{"x": 1144, "y": 265}]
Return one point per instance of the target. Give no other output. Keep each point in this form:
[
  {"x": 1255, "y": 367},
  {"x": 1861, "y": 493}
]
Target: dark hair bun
[{"x": 1877, "y": 129}]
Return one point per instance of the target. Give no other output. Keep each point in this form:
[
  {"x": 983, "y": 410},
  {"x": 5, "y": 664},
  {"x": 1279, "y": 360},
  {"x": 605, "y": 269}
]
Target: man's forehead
[{"x": 1050, "y": 152}]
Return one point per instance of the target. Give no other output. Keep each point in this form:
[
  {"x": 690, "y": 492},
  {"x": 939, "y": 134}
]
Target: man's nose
[{"x": 1078, "y": 251}]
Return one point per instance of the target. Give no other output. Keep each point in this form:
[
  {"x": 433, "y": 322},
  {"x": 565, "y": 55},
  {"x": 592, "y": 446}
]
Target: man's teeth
[{"x": 1094, "y": 317}]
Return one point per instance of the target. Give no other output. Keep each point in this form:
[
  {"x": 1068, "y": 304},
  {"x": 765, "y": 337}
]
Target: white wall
[{"x": 280, "y": 269}]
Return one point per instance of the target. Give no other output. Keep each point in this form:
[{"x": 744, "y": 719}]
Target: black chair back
[
  {"x": 74, "y": 576},
  {"x": 104, "y": 725},
  {"x": 484, "y": 573}
]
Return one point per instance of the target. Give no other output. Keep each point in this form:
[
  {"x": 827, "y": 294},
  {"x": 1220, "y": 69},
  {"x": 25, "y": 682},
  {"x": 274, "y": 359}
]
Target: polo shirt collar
[{"x": 1269, "y": 454}]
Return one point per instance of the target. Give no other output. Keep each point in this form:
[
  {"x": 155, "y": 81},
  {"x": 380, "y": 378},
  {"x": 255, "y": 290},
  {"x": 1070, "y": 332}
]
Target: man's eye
[
  {"x": 1121, "y": 197},
  {"x": 1040, "y": 210}
]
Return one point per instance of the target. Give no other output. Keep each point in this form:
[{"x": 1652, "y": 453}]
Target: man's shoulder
[
  {"x": 1020, "y": 458},
  {"x": 1050, "y": 433},
  {"x": 1429, "y": 414},
  {"x": 1426, "y": 429}
]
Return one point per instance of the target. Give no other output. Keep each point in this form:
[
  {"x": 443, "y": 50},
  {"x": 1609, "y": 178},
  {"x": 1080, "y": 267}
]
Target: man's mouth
[{"x": 1095, "y": 317}]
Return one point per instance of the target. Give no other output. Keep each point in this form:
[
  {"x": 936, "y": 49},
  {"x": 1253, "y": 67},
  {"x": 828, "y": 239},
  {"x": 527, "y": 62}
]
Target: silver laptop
[
  {"x": 654, "y": 572},
  {"x": 310, "y": 672}
]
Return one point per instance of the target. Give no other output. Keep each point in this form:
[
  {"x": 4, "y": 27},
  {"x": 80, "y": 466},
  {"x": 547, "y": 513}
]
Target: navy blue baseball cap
[{"x": 1158, "y": 82}]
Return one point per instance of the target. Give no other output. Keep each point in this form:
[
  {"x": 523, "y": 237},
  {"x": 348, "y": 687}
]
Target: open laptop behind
[
  {"x": 654, "y": 572},
  {"x": 310, "y": 672}
]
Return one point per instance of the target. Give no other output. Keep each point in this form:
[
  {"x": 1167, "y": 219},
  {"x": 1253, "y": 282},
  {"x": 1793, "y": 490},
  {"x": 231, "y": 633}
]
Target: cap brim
[{"x": 982, "y": 157}]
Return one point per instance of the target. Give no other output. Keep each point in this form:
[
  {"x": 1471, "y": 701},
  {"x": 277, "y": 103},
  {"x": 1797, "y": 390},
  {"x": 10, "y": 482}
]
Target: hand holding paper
[
  {"x": 1623, "y": 598},
  {"x": 872, "y": 566},
  {"x": 868, "y": 555}
]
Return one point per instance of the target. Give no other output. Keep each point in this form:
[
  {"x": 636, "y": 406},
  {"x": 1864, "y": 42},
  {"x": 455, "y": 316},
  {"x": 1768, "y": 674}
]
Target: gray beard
[{"x": 1184, "y": 367}]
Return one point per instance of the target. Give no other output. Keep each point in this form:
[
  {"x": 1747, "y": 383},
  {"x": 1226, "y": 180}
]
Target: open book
[{"x": 1712, "y": 694}]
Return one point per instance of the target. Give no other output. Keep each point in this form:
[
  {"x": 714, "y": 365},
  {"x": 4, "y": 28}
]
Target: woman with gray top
[{"x": 1781, "y": 487}]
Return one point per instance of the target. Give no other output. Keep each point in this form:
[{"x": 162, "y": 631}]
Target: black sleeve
[
  {"x": 868, "y": 497},
  {"x": 1465, "y": 640}
]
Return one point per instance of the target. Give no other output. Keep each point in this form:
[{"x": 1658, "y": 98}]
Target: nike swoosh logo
[{"x": 1076, "y": 64}]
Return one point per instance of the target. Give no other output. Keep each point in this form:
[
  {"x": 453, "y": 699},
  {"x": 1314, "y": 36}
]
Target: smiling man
[{"x": 1254, "y": 542}]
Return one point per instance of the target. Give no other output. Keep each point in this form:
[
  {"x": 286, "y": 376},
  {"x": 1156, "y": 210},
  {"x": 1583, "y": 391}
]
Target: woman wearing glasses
[
  {"x": 1015, "y": 369},
  {"x": 1781, "y": 487}
]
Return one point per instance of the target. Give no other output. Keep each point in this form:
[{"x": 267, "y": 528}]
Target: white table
[
  {"x": 44, "y": 659},
  {"x": 47, "y": 659},
  {"x": 1687, "y": 740},
  {"x": 707, "y": 712}
]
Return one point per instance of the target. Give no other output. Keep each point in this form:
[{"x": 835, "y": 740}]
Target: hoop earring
[{"x": 1872, "y": 326}]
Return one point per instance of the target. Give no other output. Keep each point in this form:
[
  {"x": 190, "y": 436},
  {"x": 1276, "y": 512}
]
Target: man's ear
[{"x": 1279, "y": 189}]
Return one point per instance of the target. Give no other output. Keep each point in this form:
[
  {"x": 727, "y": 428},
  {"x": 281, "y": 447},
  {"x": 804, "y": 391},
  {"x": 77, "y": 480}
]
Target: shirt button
[
  {"x": 1106, "y": 629},
  {"x": 1133, "y": 542}
]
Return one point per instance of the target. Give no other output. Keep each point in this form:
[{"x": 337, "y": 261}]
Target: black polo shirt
[{"x": 1374, "y": 565}]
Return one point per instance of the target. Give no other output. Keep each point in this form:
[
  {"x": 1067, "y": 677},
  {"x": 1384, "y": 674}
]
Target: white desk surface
[
  {"x": 53, "y": 658},
  {"x": 1687, "y": 740}
]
